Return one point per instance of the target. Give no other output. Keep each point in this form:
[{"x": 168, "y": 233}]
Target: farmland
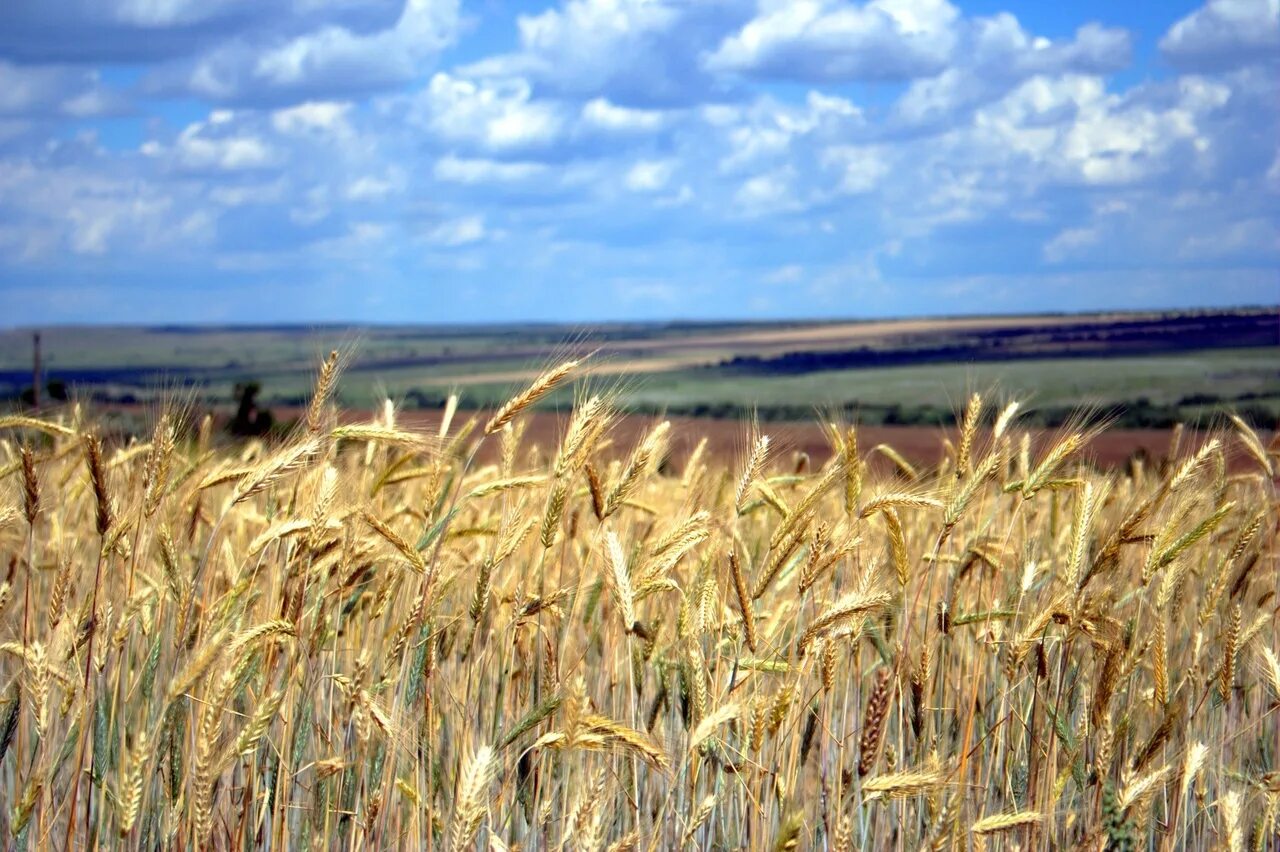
[
  {"x": 504, "y": 630},
  {"x": 1151, "y": 368}
]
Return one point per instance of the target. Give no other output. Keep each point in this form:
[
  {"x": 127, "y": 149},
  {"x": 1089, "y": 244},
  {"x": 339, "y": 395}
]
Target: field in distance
[{"x": 1152, "y": 369}]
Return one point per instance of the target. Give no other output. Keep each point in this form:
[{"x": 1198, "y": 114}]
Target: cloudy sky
[{"x": 437, "y": 160}]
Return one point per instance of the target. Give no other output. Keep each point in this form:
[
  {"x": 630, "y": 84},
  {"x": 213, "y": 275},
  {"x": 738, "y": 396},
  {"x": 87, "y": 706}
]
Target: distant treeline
[{"x": 1156, "y": 336}]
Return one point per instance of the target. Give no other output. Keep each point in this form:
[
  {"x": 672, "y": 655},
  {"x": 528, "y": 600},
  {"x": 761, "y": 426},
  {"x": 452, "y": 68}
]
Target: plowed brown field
[{"x": 921, "y": 445}]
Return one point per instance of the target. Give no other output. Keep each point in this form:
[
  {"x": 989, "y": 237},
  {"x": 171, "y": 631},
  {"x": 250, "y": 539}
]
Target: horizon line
[{"x": 337, "y": 325}]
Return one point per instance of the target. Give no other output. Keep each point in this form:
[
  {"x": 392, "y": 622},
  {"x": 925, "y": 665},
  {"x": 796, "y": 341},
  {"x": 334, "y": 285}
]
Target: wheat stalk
[
  {"x": 998, "y": 823},
  {"x": 543, "y": 385},
  {"x": 473, "y": 797}
]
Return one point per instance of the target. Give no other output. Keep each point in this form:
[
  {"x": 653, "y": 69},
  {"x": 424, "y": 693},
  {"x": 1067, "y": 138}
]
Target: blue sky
[{"x": 579, "y": 160}]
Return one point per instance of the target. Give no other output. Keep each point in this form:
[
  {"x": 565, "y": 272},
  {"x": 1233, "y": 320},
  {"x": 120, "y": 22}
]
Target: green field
[
  {"x": 1162, "y": 379},
  {"x": 1235, "y": 378},
  {"x": 1050, "y": 363}
]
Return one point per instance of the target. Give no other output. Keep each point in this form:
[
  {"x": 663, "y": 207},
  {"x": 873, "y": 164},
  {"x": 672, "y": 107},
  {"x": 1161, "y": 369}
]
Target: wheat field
[{"x": 367, "y": 637}]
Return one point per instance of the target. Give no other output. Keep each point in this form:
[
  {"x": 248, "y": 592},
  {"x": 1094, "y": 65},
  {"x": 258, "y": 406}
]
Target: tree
[{"x": 250, "y": 420}]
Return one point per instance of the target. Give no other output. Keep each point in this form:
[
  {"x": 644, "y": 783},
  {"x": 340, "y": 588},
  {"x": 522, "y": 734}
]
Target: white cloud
[
  {"x": 1068, "y": 242},
  {"x": 860, "y": 167},
  {"x": 234, "y": 153},
  {"x": 767, "y": 193},
  {"x": 1001, "y": 47},
  {"x": 1114, "y": 143},
  {"x": 194, "y": 151},
  {"x": 52, "y": 90},
  {"x": 751, "y": 143},
  {"x": 69, "y": 202},
  {"x": 312, "y": 116},
  {"x": 599, "y": 112},
  {"x": 637, "y": 52},
  {"x": 372, "y": 187},
  {"x": 330, "y": 59},
  {"x": 225, "y": 141},
  {"x": 465, "y": 170},
  {"x": 499, "y": 116},
  {"x": 649, "y": 175},
  {"x": 424, "y": 27},
  {"x": 1071, "y": 128},
  {"x": 23, "y": 89},
  {"x": 996, "y": 56},
  {"x": 458, "y": 232},
  {"x": 94, "y": 102},
  {"x": 594, "y": 30},
  {"x": 766, "y": 129},
  {"x": 830, "y": 40},
  {"x": 1225, "y": 34}
]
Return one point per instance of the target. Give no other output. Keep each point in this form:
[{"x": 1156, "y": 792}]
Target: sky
[{"x": 425, "y": 161}]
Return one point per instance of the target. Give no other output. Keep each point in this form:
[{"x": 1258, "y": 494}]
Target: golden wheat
[{"x": 212, "y": 645}]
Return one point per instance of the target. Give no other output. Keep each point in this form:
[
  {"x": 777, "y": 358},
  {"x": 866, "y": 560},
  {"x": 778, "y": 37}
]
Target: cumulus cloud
[
  {"x": 73, "y": 202},
  {"x": 860, "y": 168},
  {"x": 999, "y": 45},
  {"x": 1225, "y": 34},
  {"x": 239, "y": 51},
  {"x": 494, "y": 116},
  {"x": 217, "y": 144},
  {"x": 373, "y": 188},
  {"x": 50, "y": 91},
  {"x": 997, "y": 56},
  {"x": 649, "y": 175},
  {"x": 301, "y": 59},
  {"x": 641, "y": 53},
  {"x": 1073, "y": 129},
  {"x": 458, "y": 232},
  {"x": 819, "y": 145},
  {"x": 767, "y": 193},
  {"x": 312, "y": 117},
  {"x": 766, "y": 129},
  {"x": 599, "y": 112},
  {"x": 831, "y": 40}
]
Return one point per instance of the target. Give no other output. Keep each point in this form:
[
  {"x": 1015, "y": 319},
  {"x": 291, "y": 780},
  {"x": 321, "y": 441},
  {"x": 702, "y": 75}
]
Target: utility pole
[{"x": 35, "y": 370}]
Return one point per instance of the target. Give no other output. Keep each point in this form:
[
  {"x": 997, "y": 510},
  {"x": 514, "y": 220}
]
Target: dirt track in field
[
  {"x": 619, "y": 356},
  {"x": 600, "y": 366},
  {"x": 840, "y": 332},
  {"x": 727, "y": 439}
]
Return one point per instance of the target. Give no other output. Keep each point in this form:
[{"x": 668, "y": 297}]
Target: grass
[
  {"x": 371, "y": 637},
  {"x": 424, "y": 365},
  {"x": 1160, "y": 378},
  {"x": 1163, "y": 380}
]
